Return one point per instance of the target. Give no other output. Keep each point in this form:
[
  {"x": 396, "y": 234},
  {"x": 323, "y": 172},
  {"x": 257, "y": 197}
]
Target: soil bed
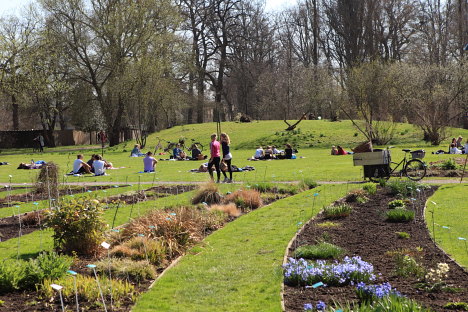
[
  {"x": 365, "y": 233},
  {"x": 28, "y": 301},
  {"x": 18, "y": 199}
]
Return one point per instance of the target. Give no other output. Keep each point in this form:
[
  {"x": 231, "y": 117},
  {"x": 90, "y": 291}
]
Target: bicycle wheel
[{"x": 415, "y": 169}]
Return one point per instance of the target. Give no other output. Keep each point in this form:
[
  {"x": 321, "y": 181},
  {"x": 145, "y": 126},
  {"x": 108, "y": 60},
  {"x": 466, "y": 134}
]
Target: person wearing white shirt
[
  {"x": 79, "y": 166},
  {"x": 454, "y": 149},
  {"x": 99, "y": 166}
]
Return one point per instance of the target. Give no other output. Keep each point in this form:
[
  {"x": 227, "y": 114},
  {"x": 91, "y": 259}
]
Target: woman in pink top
[{"x": 215, "y": 157}]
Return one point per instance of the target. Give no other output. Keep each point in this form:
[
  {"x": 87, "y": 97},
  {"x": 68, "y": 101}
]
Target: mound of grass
[
  {"x": 370, "y": 188},
  {"x": 337, "y": 211},
  {"x": 328, "y": 224},
  {"x": 135, "y": 271},
  {"x": 357, "y": 196},
  {"x": 230, "y": 209},
  {"x": 207, "y": 193},
  {"x": 449, "y": 164},
  {"x": 307, "y": 184},
  {"x": 400, "y": 215},
  {"x": 322, "y": 250},
  {"x": 405, "y": 188},
  {"x": 403, "y": 235},
  {"x": 397, "y": 203}
]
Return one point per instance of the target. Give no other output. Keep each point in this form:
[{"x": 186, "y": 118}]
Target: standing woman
[
  {"x": 227, "y": 156},
  {"x": 215, "y": 157}
]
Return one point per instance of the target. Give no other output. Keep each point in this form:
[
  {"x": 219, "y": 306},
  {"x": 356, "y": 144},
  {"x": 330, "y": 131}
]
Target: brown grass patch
[
  {"x": 245, "y": 199},
  {"x": 207, "y": 193},
  {"x": 230, "y": 209}
]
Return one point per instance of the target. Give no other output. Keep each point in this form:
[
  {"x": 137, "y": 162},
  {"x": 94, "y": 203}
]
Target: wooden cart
[{"x": 376, "y": 164}]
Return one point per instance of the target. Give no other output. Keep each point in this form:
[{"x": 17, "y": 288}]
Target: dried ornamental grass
[
  {"x": 245, "y": 199},
  {"x": 207, "y": 193},
  {"x": 230, "y": 209}
]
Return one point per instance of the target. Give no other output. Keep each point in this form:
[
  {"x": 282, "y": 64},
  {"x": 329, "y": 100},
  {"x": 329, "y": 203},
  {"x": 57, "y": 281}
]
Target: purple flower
[
  {"x": 321, "y": 306},
  {"x": 308, "y": 307}
]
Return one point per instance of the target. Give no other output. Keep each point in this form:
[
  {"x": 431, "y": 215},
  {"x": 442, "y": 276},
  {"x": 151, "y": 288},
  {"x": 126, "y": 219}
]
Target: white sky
[{"x": 14, "y": 6}]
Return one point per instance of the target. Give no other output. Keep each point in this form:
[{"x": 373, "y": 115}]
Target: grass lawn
[
  {"x": 450, "y": 207},
  {"x": 238, "y": 268}
]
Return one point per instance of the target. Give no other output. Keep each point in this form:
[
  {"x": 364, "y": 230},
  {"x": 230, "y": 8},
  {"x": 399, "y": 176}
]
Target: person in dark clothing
[
  {"x": 227, "y": 156},
  {"x": 195, "y": 152},
  {"x": 288, "y": 151}
]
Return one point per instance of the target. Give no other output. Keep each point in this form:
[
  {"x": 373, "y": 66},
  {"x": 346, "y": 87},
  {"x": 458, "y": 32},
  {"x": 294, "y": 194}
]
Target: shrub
[
  {"x": 400, "y": 215},
  {"x": 322, "y": 250},
  {"x": 449, "y": 164},
  {"x": 358, "y": 196},
  {"x": 87, "y": 288},
  {"x": 207, "y": 193},
  {"x": 177, "y": 228},
  {"x": 12, "y": 273},
  {"x": 404, "y": 188},
  {"x": 307, "y": 184},
  {"x": 25, "y": 275},
  {"x": 403, "y": 235},
  {"x": 397, "y": 203},
  {"x": 78, "y": 226},
  {"x": 136, "y": 271},
  {"x": 48, "y": 179},
  {"x": 46, "y": 265},
  {"x": 337, "y": 211},
  {"x": 229, "y": 209},
  {"x": 245, "y": 199},
  {"x": 407, "y": 265},
  {"x": 370, "y": 188}
]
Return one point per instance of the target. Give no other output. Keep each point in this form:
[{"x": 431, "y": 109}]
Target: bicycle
[{"x": 414, "y": 168}]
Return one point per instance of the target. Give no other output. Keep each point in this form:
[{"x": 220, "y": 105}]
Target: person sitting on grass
[
  {"x": 288, "y": 151},
  {"x": 136, "y": 152},
  {"x": 454, "y": 149},
  {"x": 178, "y": 153},
  {"x": 149, "y": 162},
  {"x": 269, "y": 153},
  {"x": 276, "y": 151},
  {"x": 196, "y": 153},
  {"x": 90, "y": 162},
  {"x": 79, "y": 166},
  {"x": 99, "y": 166},
  {"x": 259, "y": 153}
]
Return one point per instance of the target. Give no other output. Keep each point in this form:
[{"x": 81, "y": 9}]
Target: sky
[{"x": 14, "y": 6}]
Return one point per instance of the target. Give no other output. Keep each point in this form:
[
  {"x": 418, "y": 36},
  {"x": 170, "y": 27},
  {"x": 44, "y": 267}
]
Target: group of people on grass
[
  {"x": 457, "y": 147},
  {"x": 271, "y": 152},
  {"x": 96, "y": 164}
]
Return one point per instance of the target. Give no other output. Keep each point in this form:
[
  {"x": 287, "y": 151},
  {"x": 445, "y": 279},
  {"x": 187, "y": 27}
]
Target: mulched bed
[
  {"x": 32, "y": 196},
  {"x": 365, "y": 233},
  {"x": 10, "y": 228},
  {"x": 28, "y": 301}
]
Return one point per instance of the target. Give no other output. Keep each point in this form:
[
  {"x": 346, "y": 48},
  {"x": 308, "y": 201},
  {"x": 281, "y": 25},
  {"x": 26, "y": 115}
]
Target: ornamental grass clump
[
  {"x": 230, "y": 209},
  {"x": 322, "y": 250},
  {"x": 405, "y": 188},
  {"x": 307, "y": 184},
  {"x": 400, "y": 215},
  {"x": 78, "y": 226},
  {"x": 357, "y": 196},
  {"x": 300, "y": 272},
  {"x": 244, "y": 199},
  {"x": 207, "y": 193},
  {"x": 47, "y": 181},
  {"x": 135, "y": 271},
  {"x": 337, "y": 211},
  {"x": 370, "y": 188}
]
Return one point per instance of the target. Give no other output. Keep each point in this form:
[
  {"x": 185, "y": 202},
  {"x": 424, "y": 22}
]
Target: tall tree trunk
[
  {"x": 192, "y": 99},
  {"x": 201, "y": 95},
  {"x": 15, "y": 109},
  {"x": 114, "y": 137}
]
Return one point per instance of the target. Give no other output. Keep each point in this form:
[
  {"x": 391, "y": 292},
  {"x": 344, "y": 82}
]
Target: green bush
[
  {"x": 370, "y": 188},
  {"x": 322, "y": 250},
  {"x": 407, "y": 266},
  {"x": 307, "y": 184},
  {"x": 12, "y": 273},
  {"x": 47, "y": 265},
  {"x": 135, "y": 271},
  {"x": 404, "y": 188},
  {"x": 26, "y": 275},
  {"x": 397, "y": 203},
  {"x": 337, "y": 211},
  {"x": 78, "y": 226},
  {"x": 449, "y": 164},
  {"x": 400, "y": 215},
  {"x": 262, "y": 187}
]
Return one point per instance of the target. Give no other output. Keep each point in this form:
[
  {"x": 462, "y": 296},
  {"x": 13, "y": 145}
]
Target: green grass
[
  {"x": 400, "y": 215},
  {"x": 317, "y": 163},
  {"x": 450, "y": 220},
  {"x": 238, "y": 267}
]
